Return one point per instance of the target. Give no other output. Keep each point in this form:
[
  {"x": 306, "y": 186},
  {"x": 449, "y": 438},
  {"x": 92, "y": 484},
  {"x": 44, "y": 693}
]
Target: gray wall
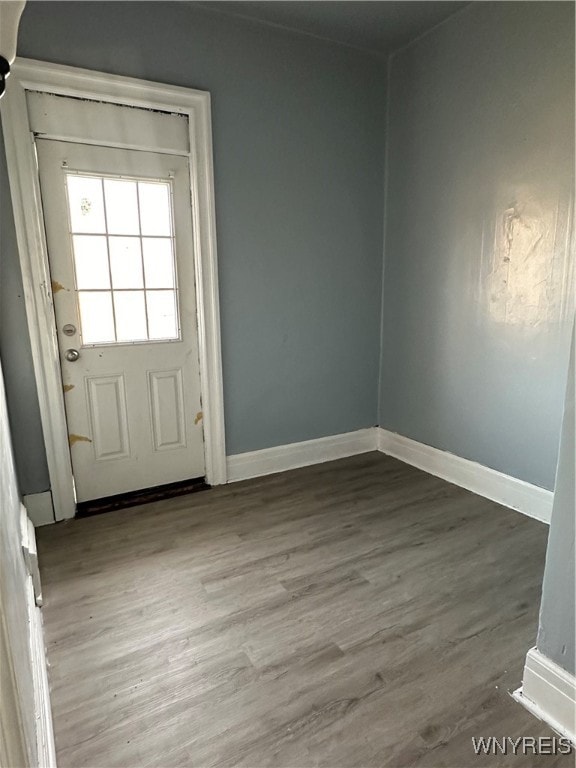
[
  {"x": 557, "y": 620},
  {"x": 298, "y": 138},
  {"x": 477, "y": 300}
]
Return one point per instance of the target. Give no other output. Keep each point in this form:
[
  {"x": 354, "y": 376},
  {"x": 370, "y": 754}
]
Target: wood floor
[{"x": 357, "y": 613}]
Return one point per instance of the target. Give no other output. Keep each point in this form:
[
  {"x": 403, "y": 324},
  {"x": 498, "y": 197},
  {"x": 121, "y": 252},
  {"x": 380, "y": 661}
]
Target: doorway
[
  {"x": 118, "y": 254},
  {"x": 122, "y": 272}
]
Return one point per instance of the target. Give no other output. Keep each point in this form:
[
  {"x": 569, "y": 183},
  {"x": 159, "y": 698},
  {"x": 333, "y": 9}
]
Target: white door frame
[{"x": 29, "y": 75}]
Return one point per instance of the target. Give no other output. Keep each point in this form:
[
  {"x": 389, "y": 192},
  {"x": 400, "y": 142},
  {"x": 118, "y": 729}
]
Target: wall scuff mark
[{"x": 526, "y": 270}]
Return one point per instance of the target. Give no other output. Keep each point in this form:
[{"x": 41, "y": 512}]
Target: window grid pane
[
  {"x": 86, "y": 204},
  {"x": 121, "y": 203},
  {"x": 97, "y": 317},
  {"x": 161, "y": 310},
  {"x": 158, "y": 262},
  {"x": 125, "y": 262},
  {"x": 126, "y": 287},
  {"x": 130, "y": 312},
  {"x": 154, "y": 206},
  {"x": 91, "y": 262}
]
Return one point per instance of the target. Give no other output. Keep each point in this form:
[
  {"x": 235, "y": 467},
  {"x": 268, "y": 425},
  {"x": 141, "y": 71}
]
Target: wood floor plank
[{"x": 356, "y": 613}]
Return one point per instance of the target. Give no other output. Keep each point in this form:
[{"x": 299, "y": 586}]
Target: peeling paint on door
[
  {"x": 56, "y": 286},
  {"x": 72, "y": 439}
]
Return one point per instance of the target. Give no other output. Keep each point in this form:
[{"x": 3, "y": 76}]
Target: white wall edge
[
  {"x": 243, "y": 466},
  {"x": 506, "y": 490},
  {"x": 40, "y": 508},
  {"x": 44, "y": 728},
  {"x": 46, "y": 749},
  {"x": 549, "y": 693}
]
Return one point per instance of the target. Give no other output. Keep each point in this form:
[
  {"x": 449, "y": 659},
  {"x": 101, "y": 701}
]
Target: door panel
[
  {"x": 108, "y": 417},
  {"x": 119, "y": 235},
  {"x": 167, "y": 408}
]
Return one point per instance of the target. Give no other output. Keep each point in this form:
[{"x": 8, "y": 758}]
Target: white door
[{"x": 119, "y": 233}]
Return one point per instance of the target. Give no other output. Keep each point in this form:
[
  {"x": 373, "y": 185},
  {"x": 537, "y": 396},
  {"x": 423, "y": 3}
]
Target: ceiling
[{"x": 379, "y": 26}]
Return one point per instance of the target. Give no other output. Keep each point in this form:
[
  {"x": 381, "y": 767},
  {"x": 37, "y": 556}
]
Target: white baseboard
[
  {"x": 40, "y": 508},
  {"x": 549, "y": 692},
  {"x": 506, "y": 490},
  {"x": 283, "y": 457},
  {"x": 526, "y": 498}
]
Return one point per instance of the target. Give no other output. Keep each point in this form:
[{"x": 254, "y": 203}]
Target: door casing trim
[{"x": 30, "y": 75}]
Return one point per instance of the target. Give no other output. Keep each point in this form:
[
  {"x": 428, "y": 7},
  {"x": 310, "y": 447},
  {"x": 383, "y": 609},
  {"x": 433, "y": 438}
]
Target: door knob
[{"x": 71, "y": 355}]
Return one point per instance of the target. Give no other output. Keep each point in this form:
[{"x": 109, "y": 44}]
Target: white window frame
[{"x": 29, "y": 75}]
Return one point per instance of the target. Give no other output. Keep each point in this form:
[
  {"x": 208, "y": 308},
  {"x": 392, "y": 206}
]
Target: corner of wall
[{"x": 384, "y": 224}]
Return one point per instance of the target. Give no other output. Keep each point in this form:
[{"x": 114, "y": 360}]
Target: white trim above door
[{"x": 41, "y": 77}]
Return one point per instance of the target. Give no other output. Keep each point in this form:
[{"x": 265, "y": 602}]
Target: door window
[{"x": 124, "y": 262}]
